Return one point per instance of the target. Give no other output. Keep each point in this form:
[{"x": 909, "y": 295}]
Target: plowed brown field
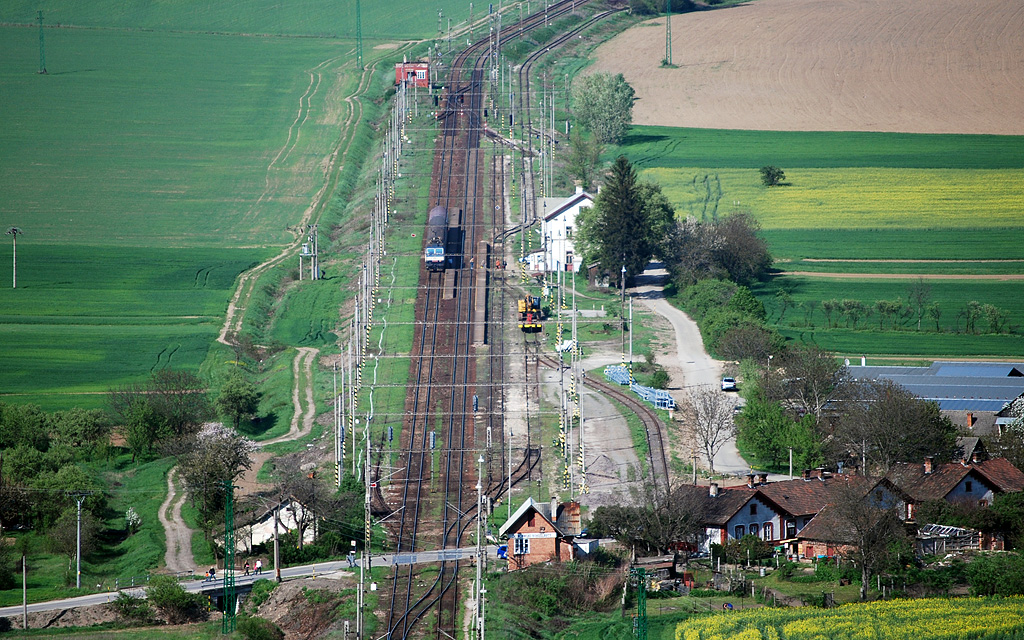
[{"x": 924, "y": 66}]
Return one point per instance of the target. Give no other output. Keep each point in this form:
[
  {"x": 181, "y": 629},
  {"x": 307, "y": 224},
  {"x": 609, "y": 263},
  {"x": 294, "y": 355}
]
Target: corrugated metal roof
[
  {"x": 970, "y": 404},
  {"x": 978, "y": 369},
  {"x": 956, "y": 386}
]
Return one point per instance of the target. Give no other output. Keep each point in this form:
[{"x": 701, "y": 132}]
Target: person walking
[
  {"x": 259, "y": 566},
  {"x": 246, "y": 567}
]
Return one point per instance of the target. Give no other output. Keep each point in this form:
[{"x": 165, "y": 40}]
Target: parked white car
[{"x": 728, "y": 384}]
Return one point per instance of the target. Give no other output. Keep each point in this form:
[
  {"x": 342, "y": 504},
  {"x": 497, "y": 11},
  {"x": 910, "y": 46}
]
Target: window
[
  {"x": 753, "y": 529},
  {"x": 968, "y": 486},
  {"x": 739, "y": 531},
  {"x": 568, "y": 232},
  {"x": 768, "y": 531},
  {"x": 521, "y": 545},
  {"x": 790, "y": 528},
  {"x": 878, "y": 495},
  {"x": 753, "y": 509},
  {"x": 421, "y": 74}
]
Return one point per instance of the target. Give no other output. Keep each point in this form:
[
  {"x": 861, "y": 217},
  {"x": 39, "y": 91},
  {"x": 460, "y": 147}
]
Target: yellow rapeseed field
[
  {"x": 924, "y": 619},
  {"x": 852, "y": 198}
]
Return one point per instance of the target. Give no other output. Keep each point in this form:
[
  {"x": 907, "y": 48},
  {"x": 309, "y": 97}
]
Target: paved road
[{"x": 317, "y": 569}]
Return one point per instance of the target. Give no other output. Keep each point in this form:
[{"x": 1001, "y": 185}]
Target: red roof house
[{"x": 541, "y": 532}]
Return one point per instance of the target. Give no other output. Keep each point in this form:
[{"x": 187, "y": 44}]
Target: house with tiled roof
[
  {"x": 779, "y": 511},
  {"x": 541, "y": 532},
  {"x": 977, "y": 481},
  {"x": 738, "y": 511},
  {"x": 826, "y": 535}
]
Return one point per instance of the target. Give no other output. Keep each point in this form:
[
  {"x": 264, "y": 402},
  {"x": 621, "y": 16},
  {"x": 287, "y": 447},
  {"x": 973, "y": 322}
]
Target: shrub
[
  {"x": 132, "y": 608},
  {"x": 256, "y": 628},
  {"x": 659, "y": 380},
  {"x": 261, "y": 590},
  {"x": 173, "y": 602},
  {"x": 705, "y": 593}
]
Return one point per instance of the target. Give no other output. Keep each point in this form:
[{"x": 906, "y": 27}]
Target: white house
[{"x": 558, "y": 217}]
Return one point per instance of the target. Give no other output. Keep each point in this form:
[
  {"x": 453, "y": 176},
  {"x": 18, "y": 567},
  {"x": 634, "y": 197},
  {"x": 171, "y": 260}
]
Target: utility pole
[
  {"x": 42, "y": 48},
  {"x": 277, "y": 545},
  {"x": 479, "y": 548},
  {"x": 80, "y": 498},
  {"x": 668, "y": 33},
  {"x": 14, "y": 232},
  {"x": 640, "y": 626},
  {"x": 229, "y": 620},
  {"x": 622, "y": 309},
  {"x": 24, "y": 591},
  {"x": 359, "y": 36},
  {"x": 631, "y": 339}
]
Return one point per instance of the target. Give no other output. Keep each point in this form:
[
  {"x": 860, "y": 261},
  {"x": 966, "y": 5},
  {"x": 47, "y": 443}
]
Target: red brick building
[
  {"x": 413, "y": 74},
  {"x": 541, "y": 532}
]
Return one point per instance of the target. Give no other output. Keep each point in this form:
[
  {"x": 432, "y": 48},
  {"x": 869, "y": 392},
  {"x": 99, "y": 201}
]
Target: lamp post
[
  {"x": 770, "y": 356},
  {"x": 13, "y": 232}
]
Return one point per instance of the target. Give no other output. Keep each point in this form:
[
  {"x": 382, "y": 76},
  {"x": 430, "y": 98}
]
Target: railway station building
[
  {"x": 541, "y": 532},
  {"x": 558, "y": 222},
  {"x": 413, "y": 74}
]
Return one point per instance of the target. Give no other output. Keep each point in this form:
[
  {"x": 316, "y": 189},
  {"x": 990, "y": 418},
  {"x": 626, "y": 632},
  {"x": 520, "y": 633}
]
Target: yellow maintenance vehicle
[{"x": 530, "y": 314}]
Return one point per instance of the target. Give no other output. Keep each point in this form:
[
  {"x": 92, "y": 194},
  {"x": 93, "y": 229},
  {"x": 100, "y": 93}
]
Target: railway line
[{"x": 455, "y": 409}]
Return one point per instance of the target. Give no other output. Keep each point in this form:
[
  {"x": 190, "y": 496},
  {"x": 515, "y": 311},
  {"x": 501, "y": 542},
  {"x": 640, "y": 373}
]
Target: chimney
[
  {"x": 554, "y": 509},
  {"x": 928, "y": 461},
  {"x": 579, "y": 187},
  {"x": 762, "y": 478},
  {"x": 970, "y": 419},
  {"x": 750, "y": 481},
  {"x": 713, "y": 490},
  {"x": 807, "y": 474}
]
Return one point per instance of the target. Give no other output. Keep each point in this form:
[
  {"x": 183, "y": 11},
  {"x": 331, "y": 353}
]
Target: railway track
[
  {"x": 444, "y": 363},
  {"x": 656, "y": 457}
]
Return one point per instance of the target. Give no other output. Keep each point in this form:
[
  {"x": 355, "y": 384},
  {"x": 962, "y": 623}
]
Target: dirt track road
[
  {"x": 178, "y": 556},
  {"x": 689, "y": 358}
]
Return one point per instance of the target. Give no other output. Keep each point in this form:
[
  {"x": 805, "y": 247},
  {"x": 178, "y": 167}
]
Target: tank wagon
[{"x": 437, "y": 237}]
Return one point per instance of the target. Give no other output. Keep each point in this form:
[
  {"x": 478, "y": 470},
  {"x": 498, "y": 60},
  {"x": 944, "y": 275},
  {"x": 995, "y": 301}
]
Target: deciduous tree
[
  {"x": 772, "y": 176},
  {"x": 875, "y": 535},
  {"x": 918, "y": 294},
  {"x": 238, "y": 397},
  {"x": 584, "y": 159},
  {"x": 709, "y": 417},
  {"x": 884, "y": 423},
  {"x": 213, "y": 456},
  {"x": 603, "y": 104},
  {"x": 64, "y": 534},
  {"x": 807, "y": 379}
]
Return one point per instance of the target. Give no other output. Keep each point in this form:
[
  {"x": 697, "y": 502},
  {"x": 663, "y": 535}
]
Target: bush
[
  {"x": 660, "y": 379},
  {"x": 706, "y": 593},
  {"x": 256, "y": 628},
  {"x": 261, "y": 590},
  {"x": 132, "y": 608},
  {"x": 173, "y": 602}
]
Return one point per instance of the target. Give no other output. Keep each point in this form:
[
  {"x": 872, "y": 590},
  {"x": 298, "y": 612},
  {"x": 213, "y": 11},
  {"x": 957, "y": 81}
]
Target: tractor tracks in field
[
  {"x": 334, "y": 162},
  {"x": 178, "y": 556}
]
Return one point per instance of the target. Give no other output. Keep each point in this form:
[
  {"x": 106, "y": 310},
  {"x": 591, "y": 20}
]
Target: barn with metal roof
[{"x": 958, "y": 387}]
